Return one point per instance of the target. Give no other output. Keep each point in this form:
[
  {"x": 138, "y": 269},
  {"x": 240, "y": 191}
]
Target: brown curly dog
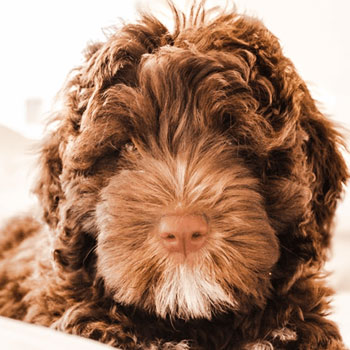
[{"x": 188, "y": 191}]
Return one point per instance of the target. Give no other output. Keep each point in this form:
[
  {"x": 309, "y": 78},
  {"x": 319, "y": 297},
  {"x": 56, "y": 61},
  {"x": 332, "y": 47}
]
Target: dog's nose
[{"x": 183, "y": 234}]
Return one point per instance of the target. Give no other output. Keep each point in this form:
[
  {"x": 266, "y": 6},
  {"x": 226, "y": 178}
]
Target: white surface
[{"x": 16, "y": 335}]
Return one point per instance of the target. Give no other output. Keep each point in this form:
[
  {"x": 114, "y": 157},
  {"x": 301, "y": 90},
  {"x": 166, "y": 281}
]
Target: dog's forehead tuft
[{"x": 177, "y": 69}]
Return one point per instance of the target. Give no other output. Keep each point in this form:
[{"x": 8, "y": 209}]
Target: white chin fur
[{"x": 186, "y": 292}]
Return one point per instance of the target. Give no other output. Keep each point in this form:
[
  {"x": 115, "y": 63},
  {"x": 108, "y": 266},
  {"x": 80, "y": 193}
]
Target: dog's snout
[{"x": 183, "y": 234}]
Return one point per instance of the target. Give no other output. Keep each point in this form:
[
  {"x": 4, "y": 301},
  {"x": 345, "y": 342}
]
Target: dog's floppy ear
[
  {"x": 304, "y": 169},
  {"x": 64, "y": 125},
  {"x": 298, "y": 124},
  {"x": 304, "y": 124},
  {"x": 87, "y": 131},
  {"x": 326, "y": 162}
]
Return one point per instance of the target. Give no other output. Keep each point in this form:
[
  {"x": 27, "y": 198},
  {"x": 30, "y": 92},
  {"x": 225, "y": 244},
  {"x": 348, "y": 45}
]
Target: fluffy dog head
[{"x": 211, "y": 124}]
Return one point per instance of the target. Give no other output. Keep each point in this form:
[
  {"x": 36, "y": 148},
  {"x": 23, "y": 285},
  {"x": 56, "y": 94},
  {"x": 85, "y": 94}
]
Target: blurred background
[{"x": 42, "y": 40}]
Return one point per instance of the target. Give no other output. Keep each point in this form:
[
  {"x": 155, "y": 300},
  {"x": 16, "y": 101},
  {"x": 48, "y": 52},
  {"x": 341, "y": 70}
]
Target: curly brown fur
[{"x": 209, "y": 121}]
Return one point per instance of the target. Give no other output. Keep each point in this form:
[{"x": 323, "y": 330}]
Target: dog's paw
[
  {"x": 259, "y": 345},
  {"x": 284, "y": 334}
]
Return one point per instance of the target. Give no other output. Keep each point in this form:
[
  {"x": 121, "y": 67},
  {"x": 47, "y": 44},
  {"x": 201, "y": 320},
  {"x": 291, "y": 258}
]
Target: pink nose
[{"x": 183, "y": 234}]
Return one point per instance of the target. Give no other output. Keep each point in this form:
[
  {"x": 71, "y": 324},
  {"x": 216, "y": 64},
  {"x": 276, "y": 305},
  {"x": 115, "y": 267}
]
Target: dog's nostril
[
  {"x": 183, "y": 234},
  {"x": 196, "y": 235},
  {"x": 169, "y": 236}
]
